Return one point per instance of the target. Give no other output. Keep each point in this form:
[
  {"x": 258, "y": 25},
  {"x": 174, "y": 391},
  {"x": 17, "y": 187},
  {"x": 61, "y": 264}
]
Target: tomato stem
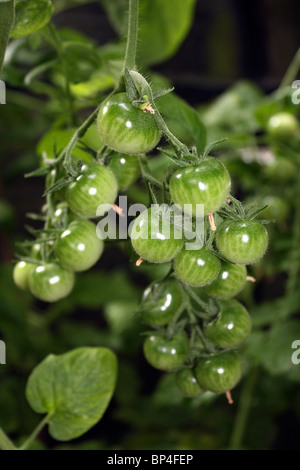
[
  {"x": 294, "y": 264},
  {"x": 146, "y": 175},
  {"x": 202, "y": 338},
  {"x": 195, "y": 297},
  {"x": 53, "y": 37},
  {"x": 132, "y": 35},
  {"x": 291, "y": 72},
  {"x": 67, "y": 152},
  {"x": 35, "y": 433},
  {"x": 181, "y": 148},
  {"x": 5, "y": 442},
  {"x": 243, "y": 411}
]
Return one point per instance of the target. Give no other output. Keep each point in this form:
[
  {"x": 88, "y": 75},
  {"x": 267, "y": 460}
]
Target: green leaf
[
  {"x": 81, "y": 61},
  {"x": 98, "y": 83},
  {"x": 58, "y": 139},
  {"x": 163, "y": 25},
  {"x": 175, "y": 108},
  {"x": 7, "y": 17},
  {"x": 74, "y": 389},
  {"x": 31, "y": 16},
  {"x": 234, "y": 109}
]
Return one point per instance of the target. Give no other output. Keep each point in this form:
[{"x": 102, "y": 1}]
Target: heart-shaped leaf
[{"x": 74, "y": 389}]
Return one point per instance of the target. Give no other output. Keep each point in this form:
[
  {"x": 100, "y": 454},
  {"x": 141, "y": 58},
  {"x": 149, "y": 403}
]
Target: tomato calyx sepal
[
  {"x": 238, "y": 213},
  {"x": 210, "y": 147},
  {"x": 189, "y": 159},
  {"x": 139, "y": 91}
]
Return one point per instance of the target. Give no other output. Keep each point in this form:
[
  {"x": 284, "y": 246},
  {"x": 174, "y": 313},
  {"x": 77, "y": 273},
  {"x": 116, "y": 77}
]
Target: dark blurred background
[{"x": 229, "y": 40}]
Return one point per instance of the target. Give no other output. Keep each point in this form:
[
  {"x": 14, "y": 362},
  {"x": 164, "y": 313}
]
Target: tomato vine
[{"x": 196, "y": 325}]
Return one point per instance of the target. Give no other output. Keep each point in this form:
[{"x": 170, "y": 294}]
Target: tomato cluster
[
  {"x": 192, "y": 335},
  {"x": 77, "y": 248},
  {"x": 199, "y": 346},
  {"x": 49, "y": 274}
]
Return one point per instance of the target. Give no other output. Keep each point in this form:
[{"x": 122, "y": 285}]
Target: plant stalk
[
  {"x": 5, "y": 442},
  {"x": 243, "y": 411},
  {"x": 35, "y": 433},
  {"x": 132, "y": 35},
  {"x": 291, "y": 72}
]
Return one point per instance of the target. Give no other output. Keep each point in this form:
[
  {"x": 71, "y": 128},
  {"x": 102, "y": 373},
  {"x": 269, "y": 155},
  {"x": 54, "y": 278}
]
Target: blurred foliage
[{"x": 53, "y": 82}]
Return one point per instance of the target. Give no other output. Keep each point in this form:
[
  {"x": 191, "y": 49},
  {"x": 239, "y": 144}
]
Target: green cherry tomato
[
  {"x": 21, "y": 274},
  {"x": 50, "y": 282},
  {"x": 197, "y": 267},
  {"x": 282, "y": 126},
  {"x": 125, "y": 128},
  {"x": 232, "y": 325},
  {"x": 78, "y": 248},
  {"x": 206, "y": 183},
  {"x": 229, "y": 282},
  {"x": 154, "y": 238},
  {"x": 95, "y": 185},
  {"x": 219, "y": 373},
  {"x": 187, "y": 383},
  {"x": 165, "y": 354},
  {"x": 242, "y": 242},
  {"x": 161, "y": 302},
  {"x": 126, "y": 169}
]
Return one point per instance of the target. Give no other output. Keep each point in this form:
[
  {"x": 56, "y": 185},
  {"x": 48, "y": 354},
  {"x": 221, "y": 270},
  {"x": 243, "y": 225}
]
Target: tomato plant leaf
[
  {"x": 163, "y": 25},
  {"x": 74, "y": 389},
  {"x": 175, "y": 108},
  {"x": 31, "y": 16}
]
